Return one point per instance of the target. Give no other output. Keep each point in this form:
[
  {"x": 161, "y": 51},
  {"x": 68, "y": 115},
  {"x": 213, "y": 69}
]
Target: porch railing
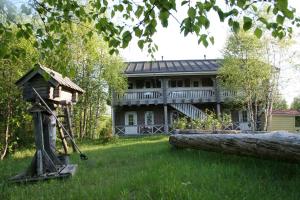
[{"x": 141, "y": 129}]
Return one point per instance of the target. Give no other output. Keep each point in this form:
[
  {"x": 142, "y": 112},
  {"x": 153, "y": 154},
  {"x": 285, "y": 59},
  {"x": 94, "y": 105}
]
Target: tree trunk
[
  {"x": 283, "y": 146},
  {"x": 4, "y": 152}
]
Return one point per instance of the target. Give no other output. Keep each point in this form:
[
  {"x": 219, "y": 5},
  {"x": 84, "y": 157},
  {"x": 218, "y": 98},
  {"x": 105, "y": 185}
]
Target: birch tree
[{"x": 244, "y": 70}]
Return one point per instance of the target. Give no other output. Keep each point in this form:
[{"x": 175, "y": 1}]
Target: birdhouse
[
  {"x": 50, "y": 84},
  {"x": 46, "y": 89}
]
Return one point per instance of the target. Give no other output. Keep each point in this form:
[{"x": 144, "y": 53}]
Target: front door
[{"x": 131, "y": 123}]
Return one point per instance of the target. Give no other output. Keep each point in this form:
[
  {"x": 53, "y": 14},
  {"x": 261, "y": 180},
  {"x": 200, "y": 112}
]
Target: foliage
[
  {"x": 280, "y": 104},
  {"x": 296, "y": 103},
  {"x": 132, "y": 168},
  {"x": 118, "y": 22},
  {"x": 180, "y": 123},
  {"x": 14, "y": 129},
  {"x": 211, "y": 122},
  {"x": 90, "y": 66},
  {"x": 244, "y": 71}
]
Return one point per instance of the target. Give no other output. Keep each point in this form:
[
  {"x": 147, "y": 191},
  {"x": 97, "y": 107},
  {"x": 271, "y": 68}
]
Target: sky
[{"x": 173, "y": 45}]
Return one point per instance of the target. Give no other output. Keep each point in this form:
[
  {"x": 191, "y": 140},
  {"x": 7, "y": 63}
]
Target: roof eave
[{"x": 149, "y": 74}]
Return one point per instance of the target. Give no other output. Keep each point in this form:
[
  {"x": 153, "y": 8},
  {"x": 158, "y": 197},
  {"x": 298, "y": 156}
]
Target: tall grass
[{"x": 149, "y": 168}]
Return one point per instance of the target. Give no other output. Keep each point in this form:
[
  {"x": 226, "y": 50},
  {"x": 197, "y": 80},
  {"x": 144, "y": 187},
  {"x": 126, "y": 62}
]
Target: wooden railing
[
  {"x": 141, "y": 94},
  {"x": 141, "y": 129},
  {"x": 155, "y": 95},
  {"x": 191, "y": 93}
]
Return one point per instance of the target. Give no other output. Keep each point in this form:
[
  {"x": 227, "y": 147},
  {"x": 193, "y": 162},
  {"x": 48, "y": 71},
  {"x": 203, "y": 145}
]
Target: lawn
[{"x": 149, "y": 168}]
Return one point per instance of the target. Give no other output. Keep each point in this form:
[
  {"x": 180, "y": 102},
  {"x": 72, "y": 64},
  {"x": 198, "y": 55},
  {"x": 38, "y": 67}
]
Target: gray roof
[
  {"x": 55, "y": 78},
  {"x": 172, "y": 66}
]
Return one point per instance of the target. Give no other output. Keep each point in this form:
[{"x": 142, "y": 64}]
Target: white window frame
[
  {"x": 152, "y": 118},
  {"x": 127, "y": 118}
]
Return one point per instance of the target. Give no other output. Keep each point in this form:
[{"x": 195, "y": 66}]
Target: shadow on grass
[{"x": 137, "y": 164}]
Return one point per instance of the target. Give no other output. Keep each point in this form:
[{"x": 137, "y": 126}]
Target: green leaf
[
  {"x": 282, "y": 4},
  {"x": 126, "y": 38},
  {"x": 212, "y": 39},
  {"x": 164, "y": 16},
  {"x": 241, "y": 3},
  {"x": 139, "y": 11},
  {"x": 235, "y": 26},
  {"x": 279, "y": 19},
  {"x": 247, "y": 23},
  {"x": 258, "y": 32},
  {"x": 141, "y": 44},
  {"x": 191, "y": 12},
  {"x": 138, "y": 32},
  {"x": 184, "y": 2}
]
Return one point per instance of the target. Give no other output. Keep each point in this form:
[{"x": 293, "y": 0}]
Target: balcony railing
[
  {"x": 191, "y": 93},
  {"x": 185, "y": 95}
]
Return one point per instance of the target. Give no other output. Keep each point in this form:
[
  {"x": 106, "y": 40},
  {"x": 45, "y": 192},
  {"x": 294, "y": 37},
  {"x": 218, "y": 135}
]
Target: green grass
[{"x": 148, "y": 168}]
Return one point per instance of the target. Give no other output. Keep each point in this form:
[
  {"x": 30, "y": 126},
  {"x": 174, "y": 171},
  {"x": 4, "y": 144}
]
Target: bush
[
  {"x": 105, "y": 133},
  {"x": 211, "y": 122}
]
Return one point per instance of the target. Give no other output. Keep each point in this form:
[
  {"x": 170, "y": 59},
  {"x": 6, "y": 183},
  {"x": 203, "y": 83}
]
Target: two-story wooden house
[{"x": 159, "y": 91}]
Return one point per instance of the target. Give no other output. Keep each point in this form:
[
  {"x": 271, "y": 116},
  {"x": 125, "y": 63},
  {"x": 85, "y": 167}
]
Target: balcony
[
  {"x": 140, "y": 96},
  {"x": 155, "y": 96},
  {"x": 191, "y": 95}
]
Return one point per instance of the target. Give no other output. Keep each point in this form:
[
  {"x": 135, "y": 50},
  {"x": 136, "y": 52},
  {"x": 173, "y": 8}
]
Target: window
[
  {"x": 130, "y": 119},
  {"x": 297, "y": 121},
  {"x": 207, "y": 82},
  {"x": 158, "y": 83},
  {"x": 244, "y": 116},
  {"x": 173, "y": 83},
  {"x": 139, "y": 84},
  {"x": 187, "y": 83},
  {"x": 179, "y": 83},
  {"x": 148, "y": 84},
  {"x": 195, "y": 84},
  {"x": 130, "y": 85},
  {"x": 149, "y": 118}
]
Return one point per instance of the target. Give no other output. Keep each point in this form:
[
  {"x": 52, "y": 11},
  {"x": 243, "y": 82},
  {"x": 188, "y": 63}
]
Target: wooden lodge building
[{"x": 161, "y": 91}]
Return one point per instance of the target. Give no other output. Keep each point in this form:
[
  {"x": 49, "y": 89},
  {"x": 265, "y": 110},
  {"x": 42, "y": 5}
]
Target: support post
[
  {"x": 218, "y": 97},
  {"x": 113, "y": 120},
  {"x": 166, "y": 124},
  {"x": 165, "y": 101}
]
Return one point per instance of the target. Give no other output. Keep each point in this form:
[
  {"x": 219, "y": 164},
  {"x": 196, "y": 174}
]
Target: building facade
[{"x": 161, "y": 91}]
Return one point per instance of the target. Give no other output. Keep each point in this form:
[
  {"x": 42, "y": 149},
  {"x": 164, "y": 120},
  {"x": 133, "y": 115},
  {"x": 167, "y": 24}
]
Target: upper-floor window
[
  {"x": 130, "y": 85},
  {"x": 156, "y": 83},
  {"x": 187, "y": 83},
  {"x": 195, "y": 83},
  {"x": 207, "y": 82},
  {"x": 147, "y": 84},
  {"x": 173, "y": 83},
  {"x": 297, "y": 121},
  {"x": 179, "y": 83},
  {"x": 139, "y": 84}
]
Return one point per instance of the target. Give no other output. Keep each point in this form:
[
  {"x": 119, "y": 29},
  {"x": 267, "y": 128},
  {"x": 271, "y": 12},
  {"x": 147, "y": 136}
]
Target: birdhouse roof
[{"x": 55, "y": 78}]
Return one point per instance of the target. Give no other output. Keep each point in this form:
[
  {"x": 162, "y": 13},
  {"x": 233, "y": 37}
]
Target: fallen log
[{"x": 275, "y": 145}]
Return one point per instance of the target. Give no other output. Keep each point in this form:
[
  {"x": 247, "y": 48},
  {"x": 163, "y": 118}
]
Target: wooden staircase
[{"x": 189, "y": 110}]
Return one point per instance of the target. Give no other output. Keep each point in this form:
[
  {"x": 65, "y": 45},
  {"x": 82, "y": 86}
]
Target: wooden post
[
  {"x": 218, "y": 97},
  {"x": 165, "y": 101},
  {"x": 39, "y": 141},
  {"x": 166, "y": 124},
  {"x": 68, "y": 122},
  {"x": 113, "y": 120}
]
